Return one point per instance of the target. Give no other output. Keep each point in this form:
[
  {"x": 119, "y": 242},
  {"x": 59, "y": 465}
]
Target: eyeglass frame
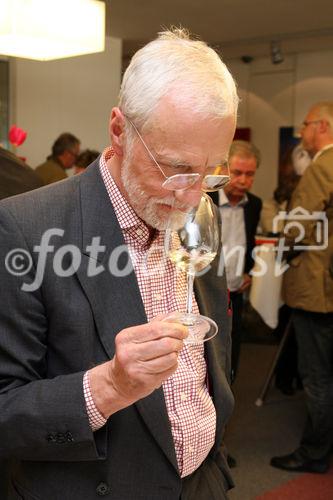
[
  {"x": 307, "y": 123},
  {"x": 194, "y": 176}
]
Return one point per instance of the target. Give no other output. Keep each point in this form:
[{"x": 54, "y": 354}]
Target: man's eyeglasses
[
  {"x": 306, "y": 123},
  {"x": 211, "y": 182}
]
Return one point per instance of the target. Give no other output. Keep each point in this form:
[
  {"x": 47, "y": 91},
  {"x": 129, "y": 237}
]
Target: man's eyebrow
[
  {"x": 172, "y": 161},
  {"x": 178, "y": 162}
]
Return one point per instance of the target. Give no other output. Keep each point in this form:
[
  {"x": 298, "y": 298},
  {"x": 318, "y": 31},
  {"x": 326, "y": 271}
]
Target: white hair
[
  {"x": 177, "y": 65},
  {"x": 324, "y": 110}
]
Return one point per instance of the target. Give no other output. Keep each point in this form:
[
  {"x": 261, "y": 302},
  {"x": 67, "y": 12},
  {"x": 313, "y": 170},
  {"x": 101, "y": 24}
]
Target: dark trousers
[
  {"x": 4, "y": 476},
  {"x": 286, "y": 372},
  {"x": 236, "y": 333},
  {"x": 314, "y": 334}
]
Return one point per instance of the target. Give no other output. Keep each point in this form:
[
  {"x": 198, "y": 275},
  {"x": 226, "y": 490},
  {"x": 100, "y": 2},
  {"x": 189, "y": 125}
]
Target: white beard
[{"x": 146, "y": 208}]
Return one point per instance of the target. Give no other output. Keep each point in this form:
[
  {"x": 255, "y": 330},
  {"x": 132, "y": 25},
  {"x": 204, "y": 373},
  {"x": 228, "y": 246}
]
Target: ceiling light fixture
[
  {"x": 51, "y": 29},
  {"x": 276, "y": 54}
]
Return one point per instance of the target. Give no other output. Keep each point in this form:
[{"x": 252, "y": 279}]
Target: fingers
[
  {"x": 165, "y": 338},
  {"x": 157, "y": 348},
  {"x": 146, "y": 355},
  {"x": 153, "y": 331},
  {"x": 160, "y": 317}
]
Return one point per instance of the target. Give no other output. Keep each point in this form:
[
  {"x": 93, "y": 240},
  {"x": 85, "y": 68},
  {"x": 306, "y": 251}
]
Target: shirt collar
[
  {"x": 329, "y": 146},
  {"x": 223, "y": 200}
]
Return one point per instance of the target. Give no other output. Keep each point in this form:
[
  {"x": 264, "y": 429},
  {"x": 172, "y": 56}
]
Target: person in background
[
  {"x": 98, "y": 395},
  {"x": 15, "y": 176},
  {"x": 84, "y": 159},
  {"x": 240, "y": 212},
  {"x": 272, "y": 207},
  {"x": 300, "y": 160},
  {"x": 286, "y": 373},
  {"x": 308, "y": 289},
  {"x": 65, "y": 152},
  {"x": 297, "y": 161}
]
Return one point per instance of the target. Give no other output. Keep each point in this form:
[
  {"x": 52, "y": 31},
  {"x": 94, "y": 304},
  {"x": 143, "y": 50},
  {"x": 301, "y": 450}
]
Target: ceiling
[{"x": 237, "y": 27}]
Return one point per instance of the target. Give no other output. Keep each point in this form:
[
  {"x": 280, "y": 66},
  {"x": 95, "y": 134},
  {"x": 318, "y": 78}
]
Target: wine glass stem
[{"x": 190, "y": 281}]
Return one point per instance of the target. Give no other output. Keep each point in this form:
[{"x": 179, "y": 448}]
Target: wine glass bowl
[{"x": 191, "y": 242}]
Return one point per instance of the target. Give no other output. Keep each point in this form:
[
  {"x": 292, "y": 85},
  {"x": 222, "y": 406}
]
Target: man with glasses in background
[
  {"x": 240, "y": 213},
  {"x": 65, "y": 151},
  {"x": 99, "y": 395},
  {"x": 308, "y": 289}
]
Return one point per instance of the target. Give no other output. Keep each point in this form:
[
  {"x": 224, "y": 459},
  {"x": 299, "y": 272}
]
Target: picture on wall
[
  {"x": 242, "y": 133},
  {"x": 287, "y": 142}
]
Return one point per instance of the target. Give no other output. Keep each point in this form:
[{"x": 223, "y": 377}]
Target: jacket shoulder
[
  {"x": 254, "y": 201},
  {"x": 44, "y": 204},
  {"x": 253, "y": 198}
]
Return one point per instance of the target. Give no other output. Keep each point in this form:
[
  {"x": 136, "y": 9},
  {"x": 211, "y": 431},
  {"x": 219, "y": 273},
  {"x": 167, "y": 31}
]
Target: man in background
[
  {"x": 308, "y": 289},
  {"x": 84, "y": 159},
  {"x": 65, "y": 152},
  {"x": 240, "y": 212}
]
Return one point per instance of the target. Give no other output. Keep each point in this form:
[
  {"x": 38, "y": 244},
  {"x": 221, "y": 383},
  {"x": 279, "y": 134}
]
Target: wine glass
[{"x": 191, "y": 241}]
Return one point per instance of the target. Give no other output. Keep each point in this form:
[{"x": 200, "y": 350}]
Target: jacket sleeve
[
  {"x": 312, "y": 195},
  {"x": 40, "y": 418}
]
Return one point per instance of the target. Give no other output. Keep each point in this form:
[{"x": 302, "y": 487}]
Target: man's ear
[
  {"x": 117, "y": 130},
  {"x": 323, "y": 126}
]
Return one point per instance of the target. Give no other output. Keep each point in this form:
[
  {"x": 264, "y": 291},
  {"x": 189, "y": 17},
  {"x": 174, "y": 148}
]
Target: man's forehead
[
  {"x": 243, "y": 160},
  {"x": 312, "y": 113},
  {"x": 180, "y": 158}
]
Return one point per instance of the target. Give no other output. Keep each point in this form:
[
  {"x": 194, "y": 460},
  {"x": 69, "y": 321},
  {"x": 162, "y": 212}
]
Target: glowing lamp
[{"x": 51, "y": 29}]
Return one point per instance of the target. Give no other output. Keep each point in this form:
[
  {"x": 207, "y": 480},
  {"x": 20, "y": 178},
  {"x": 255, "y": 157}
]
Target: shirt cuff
[{"x": 96, "y": 419}]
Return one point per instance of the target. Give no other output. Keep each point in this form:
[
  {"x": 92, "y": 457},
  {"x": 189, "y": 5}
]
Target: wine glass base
[{"x": 200, "y": 328}]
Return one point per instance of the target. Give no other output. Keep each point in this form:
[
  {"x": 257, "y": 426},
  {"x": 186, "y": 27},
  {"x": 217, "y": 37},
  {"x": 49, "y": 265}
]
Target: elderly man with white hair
[{"x": 98, "y": 395}]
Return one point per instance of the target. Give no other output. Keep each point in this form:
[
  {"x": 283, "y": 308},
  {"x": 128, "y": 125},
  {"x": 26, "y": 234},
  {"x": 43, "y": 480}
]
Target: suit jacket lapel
[
  {"x": 115, "y": 300},
  {"x": 247, "y": 221}
]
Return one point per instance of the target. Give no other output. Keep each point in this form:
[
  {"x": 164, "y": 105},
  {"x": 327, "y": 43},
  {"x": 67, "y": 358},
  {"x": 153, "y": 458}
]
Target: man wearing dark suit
[
  {"x": 15, "y": 176},
  {"x": 240, "y": 212},
  {"x": 98, "y": 395}
]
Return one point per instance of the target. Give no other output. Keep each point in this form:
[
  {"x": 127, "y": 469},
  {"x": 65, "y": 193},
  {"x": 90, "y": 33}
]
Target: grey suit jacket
[{"x": 51, "y": 336}]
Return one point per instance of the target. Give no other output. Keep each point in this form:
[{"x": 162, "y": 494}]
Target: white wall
[
  {"x": 68, "y": 95},
  {"x": 279, "y": 95}
]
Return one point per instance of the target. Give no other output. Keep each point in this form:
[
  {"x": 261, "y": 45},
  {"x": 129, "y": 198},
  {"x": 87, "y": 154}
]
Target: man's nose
[{"x": 242, "y": 179}]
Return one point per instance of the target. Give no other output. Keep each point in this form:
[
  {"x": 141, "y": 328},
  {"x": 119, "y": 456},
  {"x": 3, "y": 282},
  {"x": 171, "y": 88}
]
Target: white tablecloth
[{"x": 265, "y": 293}]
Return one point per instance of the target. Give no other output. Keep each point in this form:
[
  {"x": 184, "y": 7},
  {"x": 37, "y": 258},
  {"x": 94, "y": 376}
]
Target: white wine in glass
[{"x": 191, "y": 242}]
